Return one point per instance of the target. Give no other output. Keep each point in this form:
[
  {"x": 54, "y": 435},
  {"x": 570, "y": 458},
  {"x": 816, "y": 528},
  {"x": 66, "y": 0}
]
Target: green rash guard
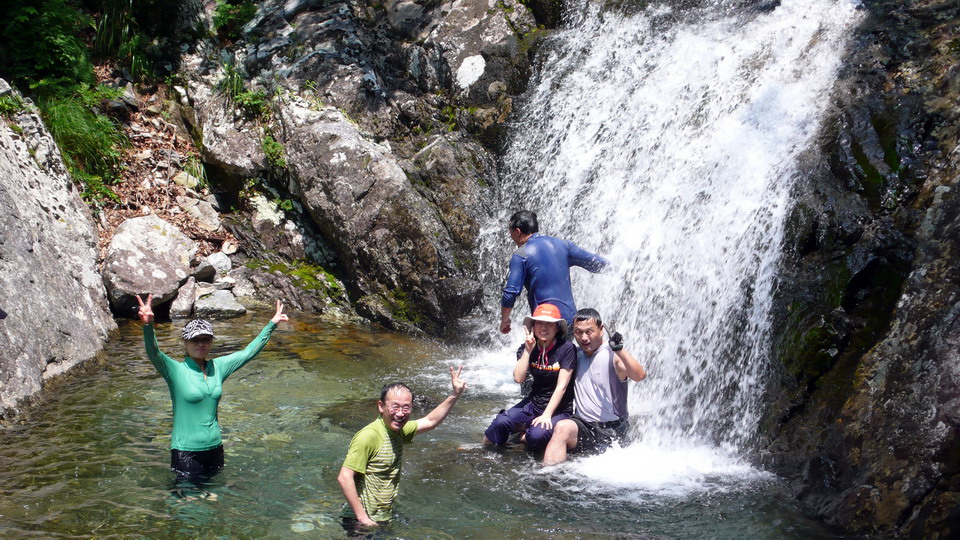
[
  {"x": 195, "y": 397},
  {"x": 376, "y": 454}
]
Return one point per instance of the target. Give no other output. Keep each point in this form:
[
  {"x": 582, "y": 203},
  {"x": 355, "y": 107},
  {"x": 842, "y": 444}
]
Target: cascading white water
[{"x": 667, "y": 142}]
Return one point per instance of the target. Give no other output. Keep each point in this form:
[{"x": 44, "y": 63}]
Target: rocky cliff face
[
  {"x": 377, "y": 123},
  {"x": 58, "y": 314},
  {"x": 866, "y": 404}
]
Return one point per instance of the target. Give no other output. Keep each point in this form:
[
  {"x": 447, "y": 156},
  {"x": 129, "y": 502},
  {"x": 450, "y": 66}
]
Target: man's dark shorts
[{"x": 596, "y": 437}]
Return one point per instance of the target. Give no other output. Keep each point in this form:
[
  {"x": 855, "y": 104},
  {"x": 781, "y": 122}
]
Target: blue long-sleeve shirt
[{"x": 542, "y": 265}]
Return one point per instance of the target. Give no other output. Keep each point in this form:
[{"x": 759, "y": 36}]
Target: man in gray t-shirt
[{"x": 600, "y": 391}]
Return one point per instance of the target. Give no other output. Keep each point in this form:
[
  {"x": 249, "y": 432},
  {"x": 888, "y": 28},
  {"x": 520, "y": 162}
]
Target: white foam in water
[
  {"x": 668, "y": 142},
  {"x": 640, "y": 471}
]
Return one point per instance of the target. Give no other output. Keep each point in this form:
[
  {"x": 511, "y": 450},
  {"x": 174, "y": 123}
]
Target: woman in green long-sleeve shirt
[{"x": 196, "y": 384}]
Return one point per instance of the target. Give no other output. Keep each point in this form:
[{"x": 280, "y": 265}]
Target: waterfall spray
[{"x": 668, "y": 142}]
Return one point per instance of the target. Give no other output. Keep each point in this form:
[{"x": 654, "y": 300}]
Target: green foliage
[
  {"x": 10, "y": 105},
  {"x": 253, "y": 103},
  {"x": 284, "y": 204},
  {"x": 229, "y": 17},
  {"x": 231, "y": 85},
  {"x": 274, "y": 151},
  {"x": 117, "y": 36},
  {"x": 91, "y": 144},
  {"x": 41, "y": 47},
  {"x": 195, "y": 168},
  {"x": 449, "y": 117}
]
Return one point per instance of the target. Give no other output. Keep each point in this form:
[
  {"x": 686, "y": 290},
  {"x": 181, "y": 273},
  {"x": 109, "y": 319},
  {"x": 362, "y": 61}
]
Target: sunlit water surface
[{"x": 92, "y": 460}]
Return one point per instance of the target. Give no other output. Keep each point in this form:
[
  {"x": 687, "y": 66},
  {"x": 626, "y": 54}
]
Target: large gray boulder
[
  {"x": 57, "y": 306},
  {"x": 146, "y": 255},
  {"x": 386, "y": 234}
]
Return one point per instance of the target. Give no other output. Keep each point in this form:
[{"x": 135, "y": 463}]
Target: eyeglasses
[{"x": 393, "y": 407}]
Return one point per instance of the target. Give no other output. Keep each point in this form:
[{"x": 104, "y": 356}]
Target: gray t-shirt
[{"x": 600, "y": 396}]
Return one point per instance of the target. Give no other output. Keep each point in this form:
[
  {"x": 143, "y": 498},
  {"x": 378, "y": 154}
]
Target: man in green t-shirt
[{"x": 370, "y": 476}]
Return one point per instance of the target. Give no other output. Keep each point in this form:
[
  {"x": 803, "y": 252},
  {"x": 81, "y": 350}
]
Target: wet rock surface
[
  {"x": 864, "y": 402},
  {"x": 57, "y": 310}
]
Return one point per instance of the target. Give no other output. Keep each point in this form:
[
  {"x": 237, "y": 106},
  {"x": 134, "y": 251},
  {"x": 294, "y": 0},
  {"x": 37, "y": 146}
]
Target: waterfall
[{"x": 667, "y": 141}]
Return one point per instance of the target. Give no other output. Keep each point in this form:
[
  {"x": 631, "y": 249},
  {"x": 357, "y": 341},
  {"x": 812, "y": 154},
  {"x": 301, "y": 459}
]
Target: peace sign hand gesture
[
  {"x": 529, "y": 339},
  {"x": 146, "y": 311},
  {"x": 459, "y": 385},
  {"x": 279, "y": 316}
]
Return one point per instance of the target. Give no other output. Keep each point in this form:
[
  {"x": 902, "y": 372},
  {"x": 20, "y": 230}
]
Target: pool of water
[{"x": 92, "y": 459}]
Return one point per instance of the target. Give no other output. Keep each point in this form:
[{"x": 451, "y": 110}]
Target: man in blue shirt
[{"x": 541, "y": 264}]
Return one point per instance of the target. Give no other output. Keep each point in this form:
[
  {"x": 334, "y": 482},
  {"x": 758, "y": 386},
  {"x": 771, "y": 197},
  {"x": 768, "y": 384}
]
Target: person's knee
[
  {"x": 499, "y": 430},
  {"x": 566, "y": 430},
  {"x": 537, "y": 438}
]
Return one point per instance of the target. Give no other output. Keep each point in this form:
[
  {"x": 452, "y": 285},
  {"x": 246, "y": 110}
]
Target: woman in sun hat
[
  {"x": 550, "y": 359},
  {"x": 196, "y": 384}
]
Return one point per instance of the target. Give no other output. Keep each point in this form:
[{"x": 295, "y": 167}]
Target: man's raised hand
[{"x": 459, "y": 385}]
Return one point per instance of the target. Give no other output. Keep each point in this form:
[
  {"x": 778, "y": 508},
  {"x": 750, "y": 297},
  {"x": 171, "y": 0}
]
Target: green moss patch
[{"x": 306, "y": 275}]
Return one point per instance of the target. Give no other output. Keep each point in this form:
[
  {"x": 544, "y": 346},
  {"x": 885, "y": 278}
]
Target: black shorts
[
  {"x": 203, "y": 463},
  {"x": 598, "y": 436}
]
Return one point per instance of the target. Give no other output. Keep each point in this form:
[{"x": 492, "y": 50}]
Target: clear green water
[{"x": 92, "y": 461}]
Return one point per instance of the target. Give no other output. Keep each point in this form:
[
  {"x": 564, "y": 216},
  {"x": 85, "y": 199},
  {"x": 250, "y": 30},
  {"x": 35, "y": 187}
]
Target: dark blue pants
[{"x": 519, "y": 418}]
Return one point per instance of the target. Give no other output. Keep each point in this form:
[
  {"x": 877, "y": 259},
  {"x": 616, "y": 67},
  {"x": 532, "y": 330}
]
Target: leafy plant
[
  {"x": 253, "y": 103},
  {"x": 284, "y": 204},
  {"x": 274, "y": 151},
  {"x": 229, "y": 17},
  {"x": 40, "y": 41},
  {"x": 117, "y": 36},
  {"x": 195, "y": 168},
  {"x": 10, "y": 105},
  {"x": 231, "y": 85}
]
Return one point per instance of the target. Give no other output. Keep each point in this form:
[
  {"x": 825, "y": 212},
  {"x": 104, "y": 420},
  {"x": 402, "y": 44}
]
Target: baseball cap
[{"x": 197, "y": 327}]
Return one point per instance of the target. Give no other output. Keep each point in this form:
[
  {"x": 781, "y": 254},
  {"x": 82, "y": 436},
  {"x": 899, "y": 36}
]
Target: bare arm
[
  {"x": 436, "y": 416},
  {"x": 627, "y": 366},
  {"x": 545, "y": 420},
  {"x": 505, "y": 319},
  {"x": 348, "y": 485}
]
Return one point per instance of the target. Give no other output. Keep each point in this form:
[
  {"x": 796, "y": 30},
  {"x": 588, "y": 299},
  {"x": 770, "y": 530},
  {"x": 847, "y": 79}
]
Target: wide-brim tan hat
[{"x": 546, "y": 313}]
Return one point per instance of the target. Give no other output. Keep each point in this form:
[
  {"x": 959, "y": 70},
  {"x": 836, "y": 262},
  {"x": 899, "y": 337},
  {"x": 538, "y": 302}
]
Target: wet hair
[
  {"x": 526, "y": 221},
  {"x": 393, "y": 387},
  {"x": 586, "y": 314}
]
